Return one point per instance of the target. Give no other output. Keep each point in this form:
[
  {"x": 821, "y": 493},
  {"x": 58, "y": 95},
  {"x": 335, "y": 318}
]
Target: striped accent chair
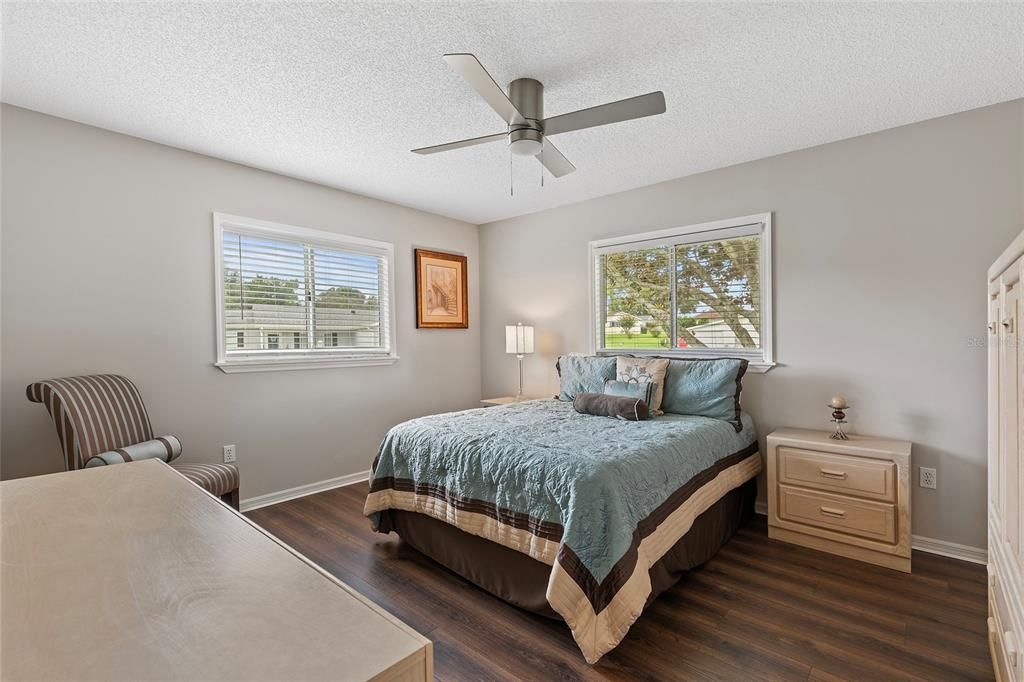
[{"x": 101, "y": 419}]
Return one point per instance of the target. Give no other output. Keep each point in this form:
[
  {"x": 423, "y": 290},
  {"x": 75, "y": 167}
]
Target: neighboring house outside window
[
  {"x": 697, "y": 291},
  {"x": 278, "y": 286}
]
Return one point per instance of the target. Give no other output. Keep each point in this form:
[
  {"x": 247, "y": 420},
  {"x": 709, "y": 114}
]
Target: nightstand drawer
[
  {"x": 863, "y": 518},
  {"x": 839, "y": 473}
]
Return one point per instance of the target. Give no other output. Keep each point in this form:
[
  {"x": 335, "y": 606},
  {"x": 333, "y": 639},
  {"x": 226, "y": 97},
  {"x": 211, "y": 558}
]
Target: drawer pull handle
[
  {"x": 832, "y": 511},
  {"x": 832, "y": 473},
  {"x": 1008, "y": 323}
]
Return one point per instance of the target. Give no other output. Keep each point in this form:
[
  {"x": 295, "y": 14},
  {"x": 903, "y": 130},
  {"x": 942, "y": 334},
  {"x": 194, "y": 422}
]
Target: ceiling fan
[{"x": 523, "y": 110}]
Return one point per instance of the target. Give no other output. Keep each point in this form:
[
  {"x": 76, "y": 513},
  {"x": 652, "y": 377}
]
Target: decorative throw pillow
[
  {"x": 583, "y": 374},
  {"x": 621, "y": 388},
  {"x": 706, "y": 388},
  {"x": 166, "y": 448},
  {"x": 604, "y": 405},
  {"x": 644, "y": 371}
]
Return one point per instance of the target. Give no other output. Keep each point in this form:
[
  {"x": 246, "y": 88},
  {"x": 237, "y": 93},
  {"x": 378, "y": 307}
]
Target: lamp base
[{"x": 519, "y": 394}]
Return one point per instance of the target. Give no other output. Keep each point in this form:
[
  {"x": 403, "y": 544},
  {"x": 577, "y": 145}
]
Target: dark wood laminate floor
[{"x": 759, "y": 610}]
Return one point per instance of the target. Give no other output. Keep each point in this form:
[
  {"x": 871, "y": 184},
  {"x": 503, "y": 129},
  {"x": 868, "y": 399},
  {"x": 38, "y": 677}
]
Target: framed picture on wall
[{"x": 442, "y": 290}]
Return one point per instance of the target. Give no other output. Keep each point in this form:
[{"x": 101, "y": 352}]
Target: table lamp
[{"x": 519, "y": 342}]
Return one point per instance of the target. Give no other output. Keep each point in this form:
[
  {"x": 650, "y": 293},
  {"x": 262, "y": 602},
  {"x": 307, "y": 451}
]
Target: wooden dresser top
[{"x": 856, "y": 443}]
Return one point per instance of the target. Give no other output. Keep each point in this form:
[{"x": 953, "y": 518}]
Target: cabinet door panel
[
  {"x": 1009, "y": 411},
  {"x": 1015, "y": 488},
  {"x": 994, "y": 437}
]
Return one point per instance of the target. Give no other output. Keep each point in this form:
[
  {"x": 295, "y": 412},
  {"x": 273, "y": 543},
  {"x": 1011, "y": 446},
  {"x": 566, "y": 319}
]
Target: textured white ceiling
[{"x": 339, "y": 93}]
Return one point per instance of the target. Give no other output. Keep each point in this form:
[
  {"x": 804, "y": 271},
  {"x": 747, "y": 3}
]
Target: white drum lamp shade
[{"x": 518, "y": 339}]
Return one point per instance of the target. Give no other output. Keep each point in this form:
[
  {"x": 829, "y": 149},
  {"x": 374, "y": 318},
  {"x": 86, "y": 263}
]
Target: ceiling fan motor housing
[{"x": 527, "y": 94}]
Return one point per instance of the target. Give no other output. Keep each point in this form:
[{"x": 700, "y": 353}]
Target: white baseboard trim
[
  {"x": 302, "y": 490},
  {"x": 975, "y": 555}
]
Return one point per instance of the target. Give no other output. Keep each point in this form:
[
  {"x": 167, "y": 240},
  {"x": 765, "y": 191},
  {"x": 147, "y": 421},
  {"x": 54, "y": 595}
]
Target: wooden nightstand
[
  {"x": 505, "y": 400},
  {"x": 847, "y": 497}
]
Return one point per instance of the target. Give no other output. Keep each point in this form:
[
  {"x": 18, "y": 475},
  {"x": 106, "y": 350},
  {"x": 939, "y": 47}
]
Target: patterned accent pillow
[
  {"x": 644, "y": 371},
  {"x": 627, "y": 390}
]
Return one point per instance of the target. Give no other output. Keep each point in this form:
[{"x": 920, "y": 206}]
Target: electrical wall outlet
[
  {"x": 929, "y": 478},
  {"x": 229, "y": 454}
]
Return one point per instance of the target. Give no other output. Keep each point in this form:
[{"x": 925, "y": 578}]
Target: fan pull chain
[
  {"x": 542, "y": 164},
  {"x": 511, "y": 189}
]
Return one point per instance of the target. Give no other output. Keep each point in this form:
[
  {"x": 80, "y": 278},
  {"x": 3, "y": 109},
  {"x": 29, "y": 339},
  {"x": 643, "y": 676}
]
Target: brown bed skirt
[{"x": 522, "y": 580}]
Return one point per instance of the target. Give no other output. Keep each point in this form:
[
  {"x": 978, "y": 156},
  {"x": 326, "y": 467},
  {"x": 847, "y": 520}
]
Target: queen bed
[{"x": 577, "y": 517}]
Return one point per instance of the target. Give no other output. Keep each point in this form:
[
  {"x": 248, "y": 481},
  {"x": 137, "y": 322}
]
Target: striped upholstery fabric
[
  {"x": 218, "y": 479},
  {"x": 103, "y": 413},
  {"x": 93, "y": 414}
]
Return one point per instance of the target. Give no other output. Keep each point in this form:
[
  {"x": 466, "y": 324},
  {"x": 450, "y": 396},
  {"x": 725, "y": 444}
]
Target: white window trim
[
  {"x": 760, "y": 361},
  {"x": 269, "y": 361}
]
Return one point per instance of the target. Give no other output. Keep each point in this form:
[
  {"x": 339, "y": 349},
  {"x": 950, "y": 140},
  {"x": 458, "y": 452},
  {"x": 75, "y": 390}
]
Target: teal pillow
[
  {"x": 583, "y": 374},
  {"x": 626, "y": 389},
  {"x": 706, "y": 388}
]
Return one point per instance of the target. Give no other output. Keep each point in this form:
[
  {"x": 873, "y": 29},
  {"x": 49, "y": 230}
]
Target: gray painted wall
[
  {"x": 108, "y": 267},
  {"x": 881, "y": 245}
]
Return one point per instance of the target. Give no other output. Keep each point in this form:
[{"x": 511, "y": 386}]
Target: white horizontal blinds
[
  {"x": 718, "y": 294},
  {"x": 638, "y": 299},
  {"x": 348, "y": 290},
  {"x": 704, "y": 287},
  {"x": 264, "y": 293},
  {"x": 285, "y": 296}
]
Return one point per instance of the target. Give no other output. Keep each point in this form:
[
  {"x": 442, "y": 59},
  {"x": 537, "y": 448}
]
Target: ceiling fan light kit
[
  {"x": 527, "y": 96},
  {"x": 522, "y": 109}
]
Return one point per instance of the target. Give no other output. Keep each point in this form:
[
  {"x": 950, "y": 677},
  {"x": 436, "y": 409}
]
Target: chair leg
[{"x": 231, "y": 499}]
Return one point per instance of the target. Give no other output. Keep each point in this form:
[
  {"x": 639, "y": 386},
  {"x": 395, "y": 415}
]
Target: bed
[{"x": 572, "y": 516}]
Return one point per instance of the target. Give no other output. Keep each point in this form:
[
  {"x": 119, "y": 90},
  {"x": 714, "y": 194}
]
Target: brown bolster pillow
[{"x": 604, "y": 405}]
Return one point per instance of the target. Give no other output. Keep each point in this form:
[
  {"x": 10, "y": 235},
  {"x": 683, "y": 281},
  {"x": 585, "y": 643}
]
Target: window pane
[
  {"x": 286, "y": 296},
  {"x": 637, "y": 300},
  {"x": 718, "y": 294},
  {"x": 347, "y": 292},
  {"x": 264, "y": 291}
]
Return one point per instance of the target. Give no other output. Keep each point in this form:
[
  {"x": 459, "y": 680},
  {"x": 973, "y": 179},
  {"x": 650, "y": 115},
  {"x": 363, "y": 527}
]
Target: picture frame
[{"x": 442, "y": 290}]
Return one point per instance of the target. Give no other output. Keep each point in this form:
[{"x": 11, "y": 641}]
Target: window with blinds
[
  {"x": 292, "y": 296},
  {"x": 699, "y": 291}
]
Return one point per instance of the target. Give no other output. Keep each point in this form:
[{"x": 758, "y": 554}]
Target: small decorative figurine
[{"x": 839, "y": 407}]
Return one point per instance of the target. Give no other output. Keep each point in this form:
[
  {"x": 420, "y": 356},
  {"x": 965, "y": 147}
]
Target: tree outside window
[{"x": 717, "y": 294}]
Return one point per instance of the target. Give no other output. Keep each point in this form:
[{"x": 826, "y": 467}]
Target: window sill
[
  {"x": 759, "y": 367},
  {"x": 284, "y": 364}
]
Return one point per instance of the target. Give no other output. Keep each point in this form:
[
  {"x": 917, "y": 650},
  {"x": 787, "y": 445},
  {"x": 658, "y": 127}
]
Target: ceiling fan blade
[
  {"x": 473, "y": 141},
  {"x": 555, "y": 161},
  {"x": 470, "y": 68},
  {"x": 651, "y": 104}
]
